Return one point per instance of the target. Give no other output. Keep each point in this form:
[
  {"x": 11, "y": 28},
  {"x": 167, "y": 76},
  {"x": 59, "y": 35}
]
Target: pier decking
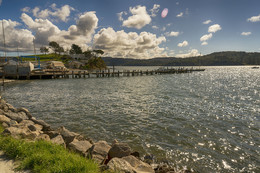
[{"x": 56, "y": 73}]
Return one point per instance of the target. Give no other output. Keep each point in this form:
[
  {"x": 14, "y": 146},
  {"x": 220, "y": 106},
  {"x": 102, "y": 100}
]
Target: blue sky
[{"x": 133, "y": 28}]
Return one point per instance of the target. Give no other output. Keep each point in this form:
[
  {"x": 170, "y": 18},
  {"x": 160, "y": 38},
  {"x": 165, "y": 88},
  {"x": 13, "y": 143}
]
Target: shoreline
[{"x": 116, "y": 156}]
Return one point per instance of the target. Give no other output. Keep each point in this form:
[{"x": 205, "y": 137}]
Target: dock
[{"x": 75, "y": 73}]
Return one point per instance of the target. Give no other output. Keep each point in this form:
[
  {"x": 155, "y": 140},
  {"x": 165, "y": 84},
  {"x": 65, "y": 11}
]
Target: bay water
[{"x": 205, "y": 121}]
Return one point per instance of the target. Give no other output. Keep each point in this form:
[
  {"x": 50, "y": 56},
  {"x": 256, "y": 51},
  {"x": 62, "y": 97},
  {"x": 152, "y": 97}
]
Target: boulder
[
  {"x": 58, "y": 140},
  {"x": 43, "y": 137},
  {"x": 45, "y": 126},
  {"x": 138, "y": 165},
  {"x": 129, "y": 164},
  {"x": 16, "y": 116},
  {"x": 5, "y": 125},
  {"x": 99, "y": 151},
  {"x": 80, "y": 147},
  {"x": 67, "y": 135},
  {"x": 19, "y": 132},
  {"x": 10, "y": 107},
  {"x": 29, "y": 115},
  {"x": 4, "y": 119},
  {"x": 120, "y": 165},
  {"x": 52, "y": 133},
  {"x": 119, "y": 150}
]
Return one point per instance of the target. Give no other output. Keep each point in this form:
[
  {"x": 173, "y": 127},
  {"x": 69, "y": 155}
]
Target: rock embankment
[{"x": 19, "y": 123}]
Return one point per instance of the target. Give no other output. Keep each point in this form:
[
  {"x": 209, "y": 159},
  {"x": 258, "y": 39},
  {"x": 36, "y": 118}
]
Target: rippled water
[{"x": 207, "y": 121}]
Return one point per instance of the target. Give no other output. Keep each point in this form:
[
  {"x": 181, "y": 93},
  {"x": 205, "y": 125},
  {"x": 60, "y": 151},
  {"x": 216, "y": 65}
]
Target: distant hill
[{"x": 214, "y": 59}]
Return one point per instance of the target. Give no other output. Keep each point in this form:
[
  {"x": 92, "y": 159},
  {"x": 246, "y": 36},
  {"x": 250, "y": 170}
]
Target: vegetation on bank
[
  {"x": 45, "y": 157},
  {"x": 214, "y": 59}
]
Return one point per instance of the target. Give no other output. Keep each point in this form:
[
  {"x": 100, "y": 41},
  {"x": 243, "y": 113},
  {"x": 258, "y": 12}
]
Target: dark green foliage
[
  {"x": 75, "y": 49},
  {"x": 95, "y": 63},
  {"x": 44, "y": 50}
]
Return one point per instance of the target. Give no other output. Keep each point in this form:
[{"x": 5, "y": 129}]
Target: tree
[
  {"x": 44, "y": 50},
  {"x": 60, "y": 50},
  {"x": 75, "y": 49},
  {"x": 54, "y": 46}
]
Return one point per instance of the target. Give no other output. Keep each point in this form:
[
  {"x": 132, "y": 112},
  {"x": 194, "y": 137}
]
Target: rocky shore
[{"x": 19, "y": 123}]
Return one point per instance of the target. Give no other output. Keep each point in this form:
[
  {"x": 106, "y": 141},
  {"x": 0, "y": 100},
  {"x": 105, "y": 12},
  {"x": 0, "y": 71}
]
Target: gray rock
[
  {"x": 11, "y": 108},
  {"x": 45, "y": 126},
  {"x": 16, "y": 116},
  {"x": 138, "y": 165},
  {"x": 67, "y": 135},
  {"x": 99, "y": 151},
  {"x": 119, "y": 150},
  {"x": 120, "y": 165},
  {"x": 129, "y": 164},
  {"x": 5, "y": 125},
  {"x": 33, "y": 128},
  {"x": 43, "y": 137},
  {"x": 58, "y": 140},
  {"x": 18, "y": 132},
  {"x": 5, "y": 119},
  {"x": 80, "y": 147},
  {"x": 52, "y": 133},
  {"x": 29, "y": 115}
]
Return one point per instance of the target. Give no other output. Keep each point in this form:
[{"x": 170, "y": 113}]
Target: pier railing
[{"x": 57, "y": 73}]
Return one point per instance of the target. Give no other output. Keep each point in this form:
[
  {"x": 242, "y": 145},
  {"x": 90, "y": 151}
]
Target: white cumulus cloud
[
  {"x": 254, "y": 19},
  {"x": 139, "y": 18},
  {"x": 155, "y": 10},
  {"x": 180, "y": 14},
  {"x": 204, "y": 43},
  {"x": 0, "y": 2},
  {"x": 173, "y": 34},
  {"x": 15, "y": 37},
  {"x": 45, "y": 31},
  {"x": 133, "y": 45},
  {"x": 214, "y": 28},
  {"x": 246, "y": 33},
  {"x": 207, "y": 22},
  {"x": 191, "y": 53},
  {"x": 59, "y": 13},
  {"x": 183, "y": 44},
  {"x": 120, "y": 15},
  {"x": 206, "y": 37}
]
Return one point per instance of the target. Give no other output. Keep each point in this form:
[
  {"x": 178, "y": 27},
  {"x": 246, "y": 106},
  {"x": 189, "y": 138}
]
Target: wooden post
[
  {"x": 84, "y": 74},
  {"x": 73, "y": 74},
  {"x": 118, "y": 73},
  {"x": 79, "y": 74}
]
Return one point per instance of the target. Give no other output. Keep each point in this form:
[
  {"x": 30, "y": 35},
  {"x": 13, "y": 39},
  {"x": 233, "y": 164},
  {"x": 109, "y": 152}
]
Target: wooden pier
[{"x": 56, "y": 73}]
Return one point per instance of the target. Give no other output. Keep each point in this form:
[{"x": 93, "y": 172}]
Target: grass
[
  {"x": 45, "y": 157},
  {"x": 48, "y": 57}
]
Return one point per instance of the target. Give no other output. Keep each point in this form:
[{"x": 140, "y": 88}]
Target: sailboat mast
[{"x": 4, "y": 39}]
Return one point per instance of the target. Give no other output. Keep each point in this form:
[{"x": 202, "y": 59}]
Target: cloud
[
  {"x": 139, "y": 18},
  {"x": 206, "y": 37},
  {"x": 180, "y": 15},
  {"x": 246, "y": 33},
  {"x": 183, "y": 44},
  {"x": 254, "y": 19},
  {"x": 120, "y": 15},
  {"x": 0, "y": 2},
  {"x": 191, "y": 53},
  {"x": 122, "y": 44},
  {"x": 15, "y": 37},
  {"x": 26, "y": 9},
  {"x": 81, "y": 33},
  {"x": 155, "y": 10},
  {"x": 173, "y": 34},
  {"x": 58, "y": 13},
  {"x": 204, "y": 43},
  {"x": 207, "y": 22},
  {"x": 214, "y": 28},
  {"x": 155, "y": 27}
]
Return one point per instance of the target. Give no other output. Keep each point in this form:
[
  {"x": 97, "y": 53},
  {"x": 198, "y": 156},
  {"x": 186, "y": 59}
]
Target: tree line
[{"x": 93, "y": 56}]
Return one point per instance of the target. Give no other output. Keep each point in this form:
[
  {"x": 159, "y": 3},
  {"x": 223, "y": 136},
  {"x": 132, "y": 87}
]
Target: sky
[{"x": 132, "y": 28}]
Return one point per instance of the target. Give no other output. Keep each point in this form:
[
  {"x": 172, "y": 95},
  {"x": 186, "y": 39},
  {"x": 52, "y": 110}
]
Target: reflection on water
[{"x": 208, "y": 121}]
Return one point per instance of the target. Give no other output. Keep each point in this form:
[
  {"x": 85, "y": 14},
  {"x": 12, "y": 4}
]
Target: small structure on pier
[
  {"x": 56, "y": 65},
  {"x": 13, "y": 68}
]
